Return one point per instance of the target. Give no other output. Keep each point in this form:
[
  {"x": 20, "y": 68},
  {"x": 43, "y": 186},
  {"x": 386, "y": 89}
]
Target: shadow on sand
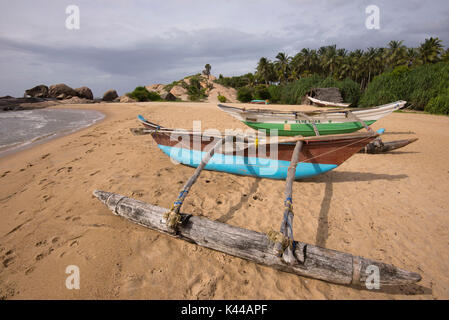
[
  {"x": 323, "y": 231},
  {"x": 244, "y": 199}
]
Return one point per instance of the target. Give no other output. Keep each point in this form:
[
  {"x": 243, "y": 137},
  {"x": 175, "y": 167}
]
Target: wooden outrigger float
[{"x": 275, "y": 249}]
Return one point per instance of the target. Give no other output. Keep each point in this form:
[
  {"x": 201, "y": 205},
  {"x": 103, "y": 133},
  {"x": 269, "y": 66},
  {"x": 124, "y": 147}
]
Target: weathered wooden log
[
  {"x": 319, "y": 263},
  {"x": 378, "y": 146}
]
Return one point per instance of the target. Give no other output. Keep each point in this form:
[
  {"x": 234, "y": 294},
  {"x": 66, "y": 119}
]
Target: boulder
[
  {"x": 167, "y": 96},
  {"x": 61, "y": 90},
  {"x": 110, "y": 95},
  {"x": 179, "y": 92},
  {"x": 126, "y": 99},
  {"x": 76, "y": 100},
  {"x": 84, "y": 92},
  {"x": 40, "y": 91},
  {"x": 159, "y": 88}
]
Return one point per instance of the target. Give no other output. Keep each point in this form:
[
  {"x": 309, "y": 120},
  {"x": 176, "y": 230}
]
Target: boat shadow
[
  {"x": 335, "y": 177},
  {"x": 323, "y": 223},
  {"x": 398, "y": 132},
  {"x": 244, "y": 199},
  {"x": 346, "y": 176}
]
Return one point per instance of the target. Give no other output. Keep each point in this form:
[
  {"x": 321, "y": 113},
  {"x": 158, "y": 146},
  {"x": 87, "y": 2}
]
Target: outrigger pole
[{"x": 172, "y": 217}]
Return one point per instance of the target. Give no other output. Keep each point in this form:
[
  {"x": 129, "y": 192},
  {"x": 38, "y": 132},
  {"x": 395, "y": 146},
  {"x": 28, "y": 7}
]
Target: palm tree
[
  {"x": 207, "y": 68},
  {"x": 250, "y": 79},
  {"x": 329, "y": 58},
  {"x": 411, "y": 56},
  {"x": 264, "y": 70},
  {"x": 395, "y": 53},
  {"x": 430, "y": 50},
  {"x": 282, "y": 66},
  {"x": 445, "y": 55}
]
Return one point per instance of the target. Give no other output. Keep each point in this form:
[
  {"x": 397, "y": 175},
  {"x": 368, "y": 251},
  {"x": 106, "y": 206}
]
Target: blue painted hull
[{"x": 247, "y": 166}]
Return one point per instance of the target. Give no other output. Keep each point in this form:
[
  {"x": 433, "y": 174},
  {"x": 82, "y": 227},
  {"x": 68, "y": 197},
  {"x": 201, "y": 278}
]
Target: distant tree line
[{"x": 335, "y": 65}]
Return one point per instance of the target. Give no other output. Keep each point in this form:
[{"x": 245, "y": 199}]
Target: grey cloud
[{"x": 124, "y": 44}]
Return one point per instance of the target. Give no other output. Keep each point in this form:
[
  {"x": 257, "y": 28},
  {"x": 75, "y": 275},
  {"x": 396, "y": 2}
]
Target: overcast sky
[{"x": 125, "y": 43}]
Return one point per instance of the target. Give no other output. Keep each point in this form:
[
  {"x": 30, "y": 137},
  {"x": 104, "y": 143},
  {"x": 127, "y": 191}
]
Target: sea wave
[{"x": 20, "y": 129}]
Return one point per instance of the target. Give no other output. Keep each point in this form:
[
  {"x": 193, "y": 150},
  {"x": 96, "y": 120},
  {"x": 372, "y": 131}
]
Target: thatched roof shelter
[{"x": 326, "y": 94}]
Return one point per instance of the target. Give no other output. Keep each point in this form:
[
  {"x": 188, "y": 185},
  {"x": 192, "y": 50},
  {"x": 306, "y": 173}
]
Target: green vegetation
[
  {"x": 245, "y": 94},
  {"x": 170, "y": 86},
  {"x": 221, "y": 98},
  {"x": 141, "y": 94},
  {"x": 365, "y": 77},
  {"x": 423, "y": 87},
  {"x": 194, "y": 89},
  {"x": 439, "y": 104}
]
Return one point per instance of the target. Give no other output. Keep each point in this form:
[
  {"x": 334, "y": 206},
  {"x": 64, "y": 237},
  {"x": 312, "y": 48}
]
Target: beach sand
[{"x": 390, "y": 207}]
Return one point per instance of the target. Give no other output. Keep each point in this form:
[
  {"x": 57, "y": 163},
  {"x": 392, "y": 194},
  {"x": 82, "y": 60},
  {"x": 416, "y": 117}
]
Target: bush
[
  {"x": 142, "y": 94},
  {"x": 261, "y": 92},
  {"x": 439, "y": 104},
  {"x": 275, "y": 93},
  {"x": 293, "y": 93},
  {"x": 221, "y": 98},
  {"x": 244, "y": 94},
  {"x": 194, "y": 89},
  {"x": 418, "y": 86},
  {"x": 350, "y": 91},
  {"x": 233, "y": 82}
]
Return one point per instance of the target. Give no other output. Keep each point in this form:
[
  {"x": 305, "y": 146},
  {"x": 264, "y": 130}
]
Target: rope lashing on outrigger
[{"x": 283, "y": 240}]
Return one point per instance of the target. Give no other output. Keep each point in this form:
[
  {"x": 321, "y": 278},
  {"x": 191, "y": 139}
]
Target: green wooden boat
[{"x": 293, "y": 123}]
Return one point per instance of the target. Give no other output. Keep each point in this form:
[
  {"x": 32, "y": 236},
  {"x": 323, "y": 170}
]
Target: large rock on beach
[
  {"x": 84, "y": 92},
  {"x": 61, "y": 91},
  {"x": 40, "y": 91},
  {"x": 110, "y": 95}
]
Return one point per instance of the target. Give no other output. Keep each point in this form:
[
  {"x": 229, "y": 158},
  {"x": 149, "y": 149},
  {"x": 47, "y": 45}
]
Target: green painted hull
[{"x": 306, "y": 130}]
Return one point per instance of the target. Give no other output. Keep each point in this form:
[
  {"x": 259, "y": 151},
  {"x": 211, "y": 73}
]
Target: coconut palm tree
[
  {"x": 411, "y": 56},
  {"x": 264, "y": 70},
  {"x": 445, "y": 55},
  {"x": 329, "y": 59},
  {"x": 282, "y": 66},
  {"x": 430, "y": 50},
  {"x": 396, "y": 53}
]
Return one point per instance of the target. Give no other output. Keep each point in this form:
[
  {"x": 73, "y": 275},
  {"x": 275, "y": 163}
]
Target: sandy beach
[{"x": 391, "y": 207}]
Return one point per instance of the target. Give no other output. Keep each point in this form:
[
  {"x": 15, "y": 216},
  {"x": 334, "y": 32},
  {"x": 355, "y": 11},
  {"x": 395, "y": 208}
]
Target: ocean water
[{"x": 20, "y": 129}]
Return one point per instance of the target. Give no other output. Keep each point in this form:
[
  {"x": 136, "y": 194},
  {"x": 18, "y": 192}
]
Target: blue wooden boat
[{"x": 267, "y": 158}]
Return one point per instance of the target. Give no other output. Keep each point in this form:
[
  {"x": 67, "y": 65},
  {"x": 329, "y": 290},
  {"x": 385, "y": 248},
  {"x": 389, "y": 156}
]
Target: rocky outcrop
[
  {"x": 159, "y": 88},
  {"x": 61, "y": 91},
  {"x": 179, "y": 92},
  {"x": 212, "y": 89},
  {"x": 229, "y": 93},
  {"x": 84, "y": 92},
  {"x": 126, "y": 99},
  {"x": 40, "y": 91},
  {"x": 110, "y": 95},
  {"x": 167, "y": 96}
]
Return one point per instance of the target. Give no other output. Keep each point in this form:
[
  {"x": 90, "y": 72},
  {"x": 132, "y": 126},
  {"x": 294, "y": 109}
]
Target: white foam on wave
[{"x": 39, "y": 119}]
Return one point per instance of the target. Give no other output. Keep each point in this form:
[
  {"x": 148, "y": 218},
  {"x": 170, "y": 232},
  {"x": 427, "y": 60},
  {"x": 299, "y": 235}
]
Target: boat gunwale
[
  {"x": 334, "y": 137},
  {"x": 309, "y": 113}
]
